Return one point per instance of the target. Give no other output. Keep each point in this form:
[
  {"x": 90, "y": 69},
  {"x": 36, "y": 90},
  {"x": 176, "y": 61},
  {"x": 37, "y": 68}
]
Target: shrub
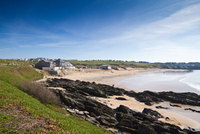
[
  {"x": 115, "y": 68},
  {"x": 40, "y": 92}
]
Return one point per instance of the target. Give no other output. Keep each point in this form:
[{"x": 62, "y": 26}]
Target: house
[
  {"x": 64, "y": 64},
  {"x": 44, "y": 64},
  {"x": 59, "y": 62},
  {"x": 67, "y": 64},
  {"x": 106, "y": 67},
  {"x": 54, "y": 65}
]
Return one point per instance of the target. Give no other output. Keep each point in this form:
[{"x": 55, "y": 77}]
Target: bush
[
  {"x": 115, "y": 68},
  {"x": 40, "y": 92}
]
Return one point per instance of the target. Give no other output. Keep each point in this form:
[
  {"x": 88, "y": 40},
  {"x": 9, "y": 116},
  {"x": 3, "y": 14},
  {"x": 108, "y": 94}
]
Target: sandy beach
[
  {"x": 109, "y": 77},
  {"x": 113, "y": 76}
]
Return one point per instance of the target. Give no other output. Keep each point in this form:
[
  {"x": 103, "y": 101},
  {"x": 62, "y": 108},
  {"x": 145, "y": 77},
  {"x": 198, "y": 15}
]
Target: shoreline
[{"x": 110, "y": 77}]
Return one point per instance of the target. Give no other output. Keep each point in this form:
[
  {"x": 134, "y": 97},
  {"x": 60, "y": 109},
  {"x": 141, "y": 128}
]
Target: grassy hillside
[
  {"x": 21, "y": 113},
  {"x": 15, "y": 75}
]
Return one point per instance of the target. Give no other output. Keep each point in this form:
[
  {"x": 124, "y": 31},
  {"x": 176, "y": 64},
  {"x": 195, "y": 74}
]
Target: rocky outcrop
[
  {"x": 174, "y": 105},
  {"x": 193, "y": 110},
  {"x": 161, "y": 107},
  {"x": 147, "y": 97},
  {"x": 84, "y": 103},
  {"x": 181, "y": 98},
  {"x": 150, "y": 98},
  {"x": 80, "y": 99},
  {"x": 85, "y": 88},
  {"x": 101, "y": 90},
  {"x": 120, "y": 98},
  {"x": 135, "y": 122},
  {"x": 152, "y": 113}
]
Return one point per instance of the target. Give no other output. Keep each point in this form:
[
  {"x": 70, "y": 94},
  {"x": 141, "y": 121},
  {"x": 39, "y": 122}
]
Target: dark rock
[
  {"x": 148, "y": 103},
  {"x": 130, "y": 93},
  {"x": 120, "y": 98},
  {"x": 108, "y": 121},
  {"x": 135, "y": 122},
  {"x": 174, "y": 105},
  {"x": 145, "y": 129},
  {"x": 152, "y": 113},
  {"x": 85, "y": 88},
  {"x": 181, "y": 98},
  {"x": 149, "y": 97},
  {"x": 92, "y": 120},
  {"x": 193, "y": 110},
  {"x": 123, "y": 109},
  {"x": 161, "y": 107},
  {"x": 167, "y": 118}
]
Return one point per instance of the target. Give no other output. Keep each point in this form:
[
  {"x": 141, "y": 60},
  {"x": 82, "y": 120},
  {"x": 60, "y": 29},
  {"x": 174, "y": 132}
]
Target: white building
[{"x": 106, "y": 67}]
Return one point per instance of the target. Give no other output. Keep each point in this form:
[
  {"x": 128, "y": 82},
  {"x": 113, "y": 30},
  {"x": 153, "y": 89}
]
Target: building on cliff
[
  {"x": 42, "y": 64},
  {"x": 55, "y": 65},
  {"x": 64, "y": 64}
]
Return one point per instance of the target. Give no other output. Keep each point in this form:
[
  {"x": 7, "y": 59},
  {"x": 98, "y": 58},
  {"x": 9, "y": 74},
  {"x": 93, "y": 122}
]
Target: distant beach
[
  {"x": 171, "y": 80},
  {"x": 140, "y": 79},
  {"x": 109, "y": 77}
]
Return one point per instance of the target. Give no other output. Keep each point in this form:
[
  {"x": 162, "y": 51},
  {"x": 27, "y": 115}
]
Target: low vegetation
[
  {"x": 124, "y": 64},
  {"x": 113, "y": 63},
  {"x": 26, "y": 112},
  {"x": 40, "y": 92}
]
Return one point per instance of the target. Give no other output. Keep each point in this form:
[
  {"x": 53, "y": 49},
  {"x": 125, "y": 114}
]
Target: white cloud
[
  {"x": 173, "y": 38},
  {"x": 179, "y": 22}
]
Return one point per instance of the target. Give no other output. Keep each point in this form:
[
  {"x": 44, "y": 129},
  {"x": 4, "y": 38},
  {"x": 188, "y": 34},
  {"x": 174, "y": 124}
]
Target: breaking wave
[{"x": 192, "y": 80}]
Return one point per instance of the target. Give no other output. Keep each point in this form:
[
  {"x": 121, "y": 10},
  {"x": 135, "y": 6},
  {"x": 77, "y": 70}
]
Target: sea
[{"x": 170, "y": 80}]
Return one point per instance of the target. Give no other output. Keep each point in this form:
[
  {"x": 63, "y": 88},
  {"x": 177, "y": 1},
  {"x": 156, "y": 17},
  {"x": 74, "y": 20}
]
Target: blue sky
[{"x": 139, "y": 30}]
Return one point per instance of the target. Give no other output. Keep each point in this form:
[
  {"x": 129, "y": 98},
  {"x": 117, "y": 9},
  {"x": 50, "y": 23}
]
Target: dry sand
[{"x": 109, "y": 77}]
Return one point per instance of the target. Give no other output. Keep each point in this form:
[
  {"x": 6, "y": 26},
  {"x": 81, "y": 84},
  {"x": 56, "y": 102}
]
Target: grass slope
[
  {"x": 14, "y": 72},
  {"x": 21, "y": 113}
]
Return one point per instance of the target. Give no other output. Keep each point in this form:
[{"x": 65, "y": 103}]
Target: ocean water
[{"x": 177, "y": 81}]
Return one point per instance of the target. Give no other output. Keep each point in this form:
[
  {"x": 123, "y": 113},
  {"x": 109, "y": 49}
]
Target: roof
[{"x": 46, "y": 60}]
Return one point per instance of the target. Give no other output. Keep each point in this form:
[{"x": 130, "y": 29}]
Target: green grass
[
  {"x": 4, "y": 118},
  {"x": 11, "y": 97},
  {"x": 14, "y": 72},
  {"x": 66, "y": 123},
  {"x": 113, "y": 63}
]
